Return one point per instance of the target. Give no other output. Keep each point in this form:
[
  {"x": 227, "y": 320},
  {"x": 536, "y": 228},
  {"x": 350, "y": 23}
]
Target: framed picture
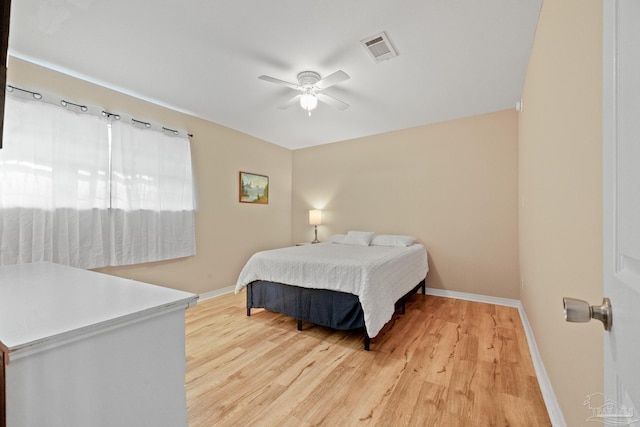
[{"x": 254, "y": 188}]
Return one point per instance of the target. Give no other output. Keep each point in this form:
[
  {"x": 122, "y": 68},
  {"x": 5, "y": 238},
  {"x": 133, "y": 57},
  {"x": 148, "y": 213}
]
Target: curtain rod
[
  {"x": 85, "y": 109},
  {"x": 35, "y": 95}
]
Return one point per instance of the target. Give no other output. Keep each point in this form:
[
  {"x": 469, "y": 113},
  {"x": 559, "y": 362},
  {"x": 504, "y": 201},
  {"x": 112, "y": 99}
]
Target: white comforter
[{"x": 378, "y": 275}]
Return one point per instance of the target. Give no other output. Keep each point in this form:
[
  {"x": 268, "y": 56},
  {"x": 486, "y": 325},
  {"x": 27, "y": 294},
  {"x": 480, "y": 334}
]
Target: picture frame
[{"x": 253, "y": 188}]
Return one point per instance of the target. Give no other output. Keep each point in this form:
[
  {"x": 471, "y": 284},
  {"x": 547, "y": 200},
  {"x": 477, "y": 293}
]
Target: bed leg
[
  {"x": 424, "y": 287},
  {"x": 248, "y": 311},
  {"x": 367, "y": 341},
  {"x": 249, "y": 299},
  {"x": 299, "y": 325}
]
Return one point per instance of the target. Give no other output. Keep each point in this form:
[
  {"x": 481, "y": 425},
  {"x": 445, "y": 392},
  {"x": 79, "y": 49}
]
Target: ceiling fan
[{"x": 310, "y": 86}]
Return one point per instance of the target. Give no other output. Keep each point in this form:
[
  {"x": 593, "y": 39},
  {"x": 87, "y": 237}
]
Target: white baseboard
[
  {"x": 474, "y": 297},
  {"x": 216, "y": 293},
  {"x": 550, "y": 401},
  {"x": 555, "y": 414}
]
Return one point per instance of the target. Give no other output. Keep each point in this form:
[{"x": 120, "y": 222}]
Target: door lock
[{"x": 577, "y": 310}]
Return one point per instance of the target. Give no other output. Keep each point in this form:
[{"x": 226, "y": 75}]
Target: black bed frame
[{"x": 333, "y": 309}]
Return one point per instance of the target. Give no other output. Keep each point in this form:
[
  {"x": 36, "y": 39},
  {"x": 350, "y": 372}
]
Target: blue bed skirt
[{"x": 333, "y": 309}]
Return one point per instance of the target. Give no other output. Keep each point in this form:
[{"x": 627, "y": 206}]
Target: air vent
[{"x": 379, "y": 47}]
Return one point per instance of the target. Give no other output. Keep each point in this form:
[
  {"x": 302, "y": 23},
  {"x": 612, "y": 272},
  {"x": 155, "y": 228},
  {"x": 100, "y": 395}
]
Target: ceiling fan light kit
[
  {"x": 310, "y": 86},
  {"x": 308, "y": 101}
]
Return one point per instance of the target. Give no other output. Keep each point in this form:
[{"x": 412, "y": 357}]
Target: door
[{"x": 621, "y": 199}]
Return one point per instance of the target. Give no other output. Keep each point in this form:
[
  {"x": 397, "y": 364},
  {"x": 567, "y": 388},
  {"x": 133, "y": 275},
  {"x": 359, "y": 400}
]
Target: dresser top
[{"x": 44, "y": 302}]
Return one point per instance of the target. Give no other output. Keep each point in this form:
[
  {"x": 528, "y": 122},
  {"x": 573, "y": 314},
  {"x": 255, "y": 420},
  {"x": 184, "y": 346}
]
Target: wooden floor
[{"x": 445, "y": 362}]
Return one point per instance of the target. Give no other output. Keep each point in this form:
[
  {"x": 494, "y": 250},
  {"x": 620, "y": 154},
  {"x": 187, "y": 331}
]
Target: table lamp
[{"x": 315, "y": 219}]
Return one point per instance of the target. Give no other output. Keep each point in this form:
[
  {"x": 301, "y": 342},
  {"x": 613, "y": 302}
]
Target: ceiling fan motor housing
[{"x": 307, "y": 79}]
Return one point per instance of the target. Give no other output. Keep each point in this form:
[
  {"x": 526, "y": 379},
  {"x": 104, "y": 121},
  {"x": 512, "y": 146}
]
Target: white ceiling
[{"x": 456, "y": 58}]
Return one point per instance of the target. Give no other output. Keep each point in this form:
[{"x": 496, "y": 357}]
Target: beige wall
[
  {"x": 227, "y": 232},
  {"x": 452, "y": 185},
  {"x": 560, "y": 136}
]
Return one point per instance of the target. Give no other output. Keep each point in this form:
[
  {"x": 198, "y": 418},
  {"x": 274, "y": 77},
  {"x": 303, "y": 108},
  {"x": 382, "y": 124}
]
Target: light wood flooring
[{"x": 445, "y": 362}]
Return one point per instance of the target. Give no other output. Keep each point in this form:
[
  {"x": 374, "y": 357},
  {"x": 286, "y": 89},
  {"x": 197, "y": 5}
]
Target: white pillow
[
  {"x": 359, "y": 238},
  {"x": 395, "y": 240},
  {"x": 337, "y": 238}
]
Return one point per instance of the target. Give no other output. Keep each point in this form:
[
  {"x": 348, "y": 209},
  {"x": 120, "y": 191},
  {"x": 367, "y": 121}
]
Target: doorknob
[{"x": 577, "y": 310}]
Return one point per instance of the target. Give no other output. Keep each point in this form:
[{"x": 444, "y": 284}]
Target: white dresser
[{"x": 81, "y": 348}]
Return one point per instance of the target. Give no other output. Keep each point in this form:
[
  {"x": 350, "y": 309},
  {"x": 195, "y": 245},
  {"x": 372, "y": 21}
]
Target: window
[{"x": 76, "y": 189}]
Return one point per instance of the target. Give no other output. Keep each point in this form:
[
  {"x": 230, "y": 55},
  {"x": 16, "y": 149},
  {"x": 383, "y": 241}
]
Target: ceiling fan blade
[
  {"x": 336, "y": 103},
  {"x": 332, "y": 79},
  {"x": 279, "y": 82},
  {"x": 289, "y": 103}
]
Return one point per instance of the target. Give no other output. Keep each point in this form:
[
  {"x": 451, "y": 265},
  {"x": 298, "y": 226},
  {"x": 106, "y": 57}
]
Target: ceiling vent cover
[{"x": 379, "y": 47}]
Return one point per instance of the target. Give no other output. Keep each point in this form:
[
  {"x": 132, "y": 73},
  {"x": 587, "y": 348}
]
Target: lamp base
[{"x": 316, "y": 235}]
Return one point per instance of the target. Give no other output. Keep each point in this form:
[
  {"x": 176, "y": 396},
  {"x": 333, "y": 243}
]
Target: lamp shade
[
  {"x": 315, "y": 217},
  {"x": 308, "y": 101}
]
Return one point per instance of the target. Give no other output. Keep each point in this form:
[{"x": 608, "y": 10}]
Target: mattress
[{"x": 377, "y": 275}]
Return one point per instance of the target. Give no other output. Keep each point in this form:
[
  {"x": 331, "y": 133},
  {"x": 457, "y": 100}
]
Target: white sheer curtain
[
  {"x": 73, "y": 193},
  {"x": 152, "y": 203},
  {"x": 53, "y": 186}
]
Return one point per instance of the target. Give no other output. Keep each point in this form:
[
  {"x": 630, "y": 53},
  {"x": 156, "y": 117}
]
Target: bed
[{"x": 353, "y": 281}]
